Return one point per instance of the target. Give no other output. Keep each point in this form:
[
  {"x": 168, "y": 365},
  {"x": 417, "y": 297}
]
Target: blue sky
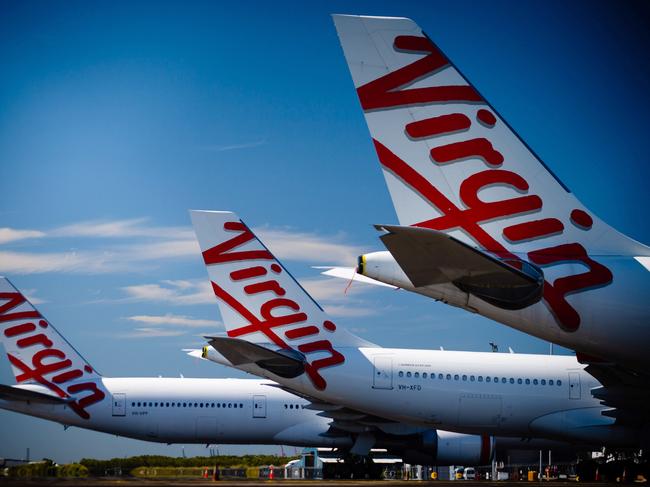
[{"x": 116, "y": 118}]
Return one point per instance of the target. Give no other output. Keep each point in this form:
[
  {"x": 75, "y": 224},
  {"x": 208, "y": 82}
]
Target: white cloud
[
  {"x": 231, "y": 147},
  {"x": 12, "y": 235},
  {"x": 134, "y": 227},
  {"x": 152, "y": 333},
  {"x": 174, "y": 320},
  {"x": 308, "y": 247},
  {"x": 151, "y": 245},
  {"x": 184, "y": 292}
]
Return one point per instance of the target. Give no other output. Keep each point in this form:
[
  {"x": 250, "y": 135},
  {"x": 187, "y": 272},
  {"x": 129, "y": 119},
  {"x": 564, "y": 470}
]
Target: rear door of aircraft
[
  {"x": 382, "y": 372},
  {"x": 119, "y": 404},
  {"x": 259, "y": 406},
  {"x": 574, "y": 385}
]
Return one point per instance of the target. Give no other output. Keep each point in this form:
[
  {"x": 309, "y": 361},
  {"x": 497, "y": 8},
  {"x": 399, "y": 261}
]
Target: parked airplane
[
  {"x": 56, "y": 383},
  {"x": 276, "y": 330},
  {"x": 484, "y": 224}
]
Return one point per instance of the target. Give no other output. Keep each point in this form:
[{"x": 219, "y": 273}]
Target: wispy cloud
[
  {"x": 308, "y": 247},
  {"x": 152, "y": 333},
  {"x": 174, "y": 320},
  {"x": 183, "y": 292},
  {"x": 146, "y": 246},
  {"x": 13, "y": 235},
  {"x": 231, "y": 147}
]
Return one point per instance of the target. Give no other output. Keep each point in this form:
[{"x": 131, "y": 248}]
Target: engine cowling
[{"x": 446, "y": 448}]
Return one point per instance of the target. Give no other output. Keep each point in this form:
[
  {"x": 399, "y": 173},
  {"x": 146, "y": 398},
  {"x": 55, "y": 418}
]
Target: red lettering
[
  {"x": 19, "y": 329},
  {"x": 444, "y": 124},
  {"x": 312, "y": 369},
  {"x": 480, "y": 148},
  {"x": 222, "y": 252},
  {"x": 266, "y": 286},
  {"x": 384, "y": 92},
  {"x": 80, "y": 405},
  {"x": 33, "y": 340},
  {"x": 533, "y": 229},
  {"x": 248, "y": 273},
  {"x": 13, "y": 300},
  {"x": 301, "y": 332}
]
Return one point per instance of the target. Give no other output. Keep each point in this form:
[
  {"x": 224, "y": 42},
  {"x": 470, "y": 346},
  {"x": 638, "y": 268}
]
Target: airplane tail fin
[
  {"x": 451, "y": 163},
  {"x": 39, "y": 354},
  {"x": 259, "y": 300}
]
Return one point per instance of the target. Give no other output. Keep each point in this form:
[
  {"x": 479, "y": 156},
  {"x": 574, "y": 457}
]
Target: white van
[{"x": 469, "y": 474}]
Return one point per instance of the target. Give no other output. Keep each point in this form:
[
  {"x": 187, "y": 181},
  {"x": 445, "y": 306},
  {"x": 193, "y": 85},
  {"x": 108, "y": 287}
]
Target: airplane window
[
  {"x": 166, "y": 404},
  {"x": 456, "y": 377},
  {"x": 550, "y": 382},
  {"x": 527, "y": 381},
  {"x": 416, "y": 375},
  {"x": 488, "y": 379},
  {"x": 156, "y": 404},
  {"x": 472, "y": 378},
  {"x": 132, "y": 404},
  {"x": 440, "y": 376},
  {"x": 543, "y": 381},
  {"x": 290, "y": 406},
  {"x": 424, "y": 375},
  {"x": 178, "y": 404},
  {"x": 241, "y": 405},
  {"x": 496, "y": 379},
  {"x": 189, "y": 404},
  {"x": 559, "y": 382},
  {"x": 401, "y": 374},
  {"x": 534, "y": 382},
  {"x": 286, "y": 406},
  {"x": 512, "y": 381},
  {"x": 519, "y": 381},
  {"x": 201, "y": 405},
  {"x": 172, "y": 404},
  {"x": 223, "y": 405},
  {"x": 503, "y": 380},
  {"x": 464, "y": 377},
  {"x": 448, "y": 376},
  {"x": 184, "y": 404},
  {"x": 229, "y": 404},
  {"x": 149, "y": 404},
  {"x": 408, "y": 374},
  {"x": 480, "y": 378}
]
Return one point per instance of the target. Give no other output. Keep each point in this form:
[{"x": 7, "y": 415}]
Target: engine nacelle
[
  {"x": 382, "y": 267},
  {"x": 448, "y": 448}
]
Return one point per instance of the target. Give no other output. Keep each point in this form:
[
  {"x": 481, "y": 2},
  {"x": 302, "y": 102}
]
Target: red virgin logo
[
  {"x": 49, "y": 365},
  {"x": 272, "y": 313},
  {"x": 385, "y": 93}
]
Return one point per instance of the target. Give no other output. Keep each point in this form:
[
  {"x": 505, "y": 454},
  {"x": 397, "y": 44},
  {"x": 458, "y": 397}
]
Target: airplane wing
[
  {"x": 11, "y": 393},
  {"x": 430, "y": 257}
]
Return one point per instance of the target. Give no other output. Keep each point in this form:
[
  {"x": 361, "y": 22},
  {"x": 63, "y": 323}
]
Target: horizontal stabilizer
[
  {"x": 430, "y": 257},
  {"x": 284, "y": 363},
  {"x": 351, "y": 274},
  {"x": 10, "y": 393}
]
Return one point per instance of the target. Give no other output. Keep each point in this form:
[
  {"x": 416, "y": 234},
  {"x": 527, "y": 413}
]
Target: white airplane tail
[
  {"x": 259, "y": 299},
  {"x": 40, "y": 355},
  {"x": 450, "y": 161},
  {"x": 452, "y": 164}
]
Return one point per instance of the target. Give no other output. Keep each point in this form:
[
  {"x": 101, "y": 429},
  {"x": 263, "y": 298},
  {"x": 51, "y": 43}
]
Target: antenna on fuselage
[{"x": 494, "y": 346}]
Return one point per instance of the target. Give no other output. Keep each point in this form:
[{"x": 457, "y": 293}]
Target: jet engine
[{"x": 444, "y": 448}]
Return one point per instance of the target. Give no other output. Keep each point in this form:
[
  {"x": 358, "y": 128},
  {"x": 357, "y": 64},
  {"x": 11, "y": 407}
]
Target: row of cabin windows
[
  {"x": 480, "y": 378},
  {"x": 292, "y": 406},
  {"x": 186, "y": 404}
]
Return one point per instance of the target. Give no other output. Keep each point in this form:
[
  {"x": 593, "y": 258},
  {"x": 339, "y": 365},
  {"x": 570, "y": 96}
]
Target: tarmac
[{"x": 135, "y": 482}]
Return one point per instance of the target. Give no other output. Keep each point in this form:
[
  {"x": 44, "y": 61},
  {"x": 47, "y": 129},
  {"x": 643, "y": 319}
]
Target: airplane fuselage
[{"x": 171, "y": 410}]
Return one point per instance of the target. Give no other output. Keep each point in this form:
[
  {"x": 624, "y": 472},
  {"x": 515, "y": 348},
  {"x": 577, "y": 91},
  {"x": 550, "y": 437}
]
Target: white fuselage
[
  {"x": 469, "y": 392},
  {"x": 613, "y": 319},
  {"x": 170, "y": 410}
]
